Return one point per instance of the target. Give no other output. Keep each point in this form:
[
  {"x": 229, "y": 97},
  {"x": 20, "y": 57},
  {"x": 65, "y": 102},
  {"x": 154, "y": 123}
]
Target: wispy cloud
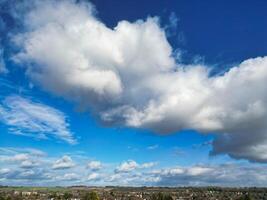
[
  {"x": 153, "y": 147},
  {"x": 68, "y": 177},
  {"x": 3, "y": 68},
  {"x": 11, "y": 150},
  {"x": 25, "y": 117}
]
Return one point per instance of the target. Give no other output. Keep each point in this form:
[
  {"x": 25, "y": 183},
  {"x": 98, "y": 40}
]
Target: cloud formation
[
  {"x": 153, "y": 147},
  {"x": 93, "y": 177},
  {"x": 94, "y": 165},
  {"x": 127, "y": 166},
  {"x": 131, "y": 165},
  {"x": 218, "y": 175},
  {"x": 63, "y": 163},
  {"x": 44, "y": 174},
  {"x": 25, "y": 117},
  {"x": 127, "y": 76}
]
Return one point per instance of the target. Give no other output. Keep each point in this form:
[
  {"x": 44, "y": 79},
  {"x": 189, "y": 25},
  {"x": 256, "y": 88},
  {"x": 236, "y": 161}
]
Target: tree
[
  {"x": 167, "y": 197},
  {"x": 153, "y": 197},
  {"x": 246, "y": 197},
  {"x": 112, "y": 194},
  {"x": 91, "y": 196},
  {"x": 67, "y": 195},
  {"x": 161, "y": 196}
]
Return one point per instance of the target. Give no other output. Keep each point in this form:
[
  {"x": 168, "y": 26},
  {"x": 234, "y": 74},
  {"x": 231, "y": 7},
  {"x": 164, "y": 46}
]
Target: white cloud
[
  {"x": 27, "y": 159},
  {"x": 35, "y": 152},
  {"x": 69, "y": 177},
  {"x": 4, "y": 171},
  {"x": 94, "y": 165},
  {"x": 25, "y": 117},
  {"x": 195, "y": 171},
  {"x": 148, "y": 165},
  {"x": 114, "y": 177},
  {"x": 174, "y": 171},
  {"x": 238, "y": 174},
  {"x": 93, "y": 177},
  {"x": 18, "y": 158},
  {"x": 63, "y": 163},
  {"x": 216, "y": 175},
  {"x": 29, "y": 164},
  {"x": 22, "y": 151},
  {"x": 131, "y": 165},
  {"x": 198, "y": 175},
  {"x": 171, "y": 27},
  {"x": 127, "y": 76},
  {"x": 22, "y": 164},
  {"x": 95, "y": 57},
  {"x": 153, "y": 147},
  {"x": 127, "y": 166}
]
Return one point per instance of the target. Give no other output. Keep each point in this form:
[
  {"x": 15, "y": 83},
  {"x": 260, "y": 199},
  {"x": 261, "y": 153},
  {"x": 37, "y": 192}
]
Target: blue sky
[{"x": 133, "y": 93}]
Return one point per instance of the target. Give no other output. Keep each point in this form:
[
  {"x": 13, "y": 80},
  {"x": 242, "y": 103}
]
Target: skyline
[{"x": 133, "y": 93}]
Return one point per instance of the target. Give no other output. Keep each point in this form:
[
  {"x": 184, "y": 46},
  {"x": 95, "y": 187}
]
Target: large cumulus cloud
[{"x": 127, "y": 76}]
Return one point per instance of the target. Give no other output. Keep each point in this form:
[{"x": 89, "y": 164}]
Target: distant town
[{"x": 131, "y": 193}]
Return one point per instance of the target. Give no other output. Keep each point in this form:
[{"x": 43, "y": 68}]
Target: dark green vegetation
[
  {"x": 91, "y": 196},
  {"x": 161, "y": 196},
  {"x": 131, "y": 193}
]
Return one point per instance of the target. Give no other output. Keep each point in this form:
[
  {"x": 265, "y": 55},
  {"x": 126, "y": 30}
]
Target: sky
[{"x": 133, "y": 93}]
